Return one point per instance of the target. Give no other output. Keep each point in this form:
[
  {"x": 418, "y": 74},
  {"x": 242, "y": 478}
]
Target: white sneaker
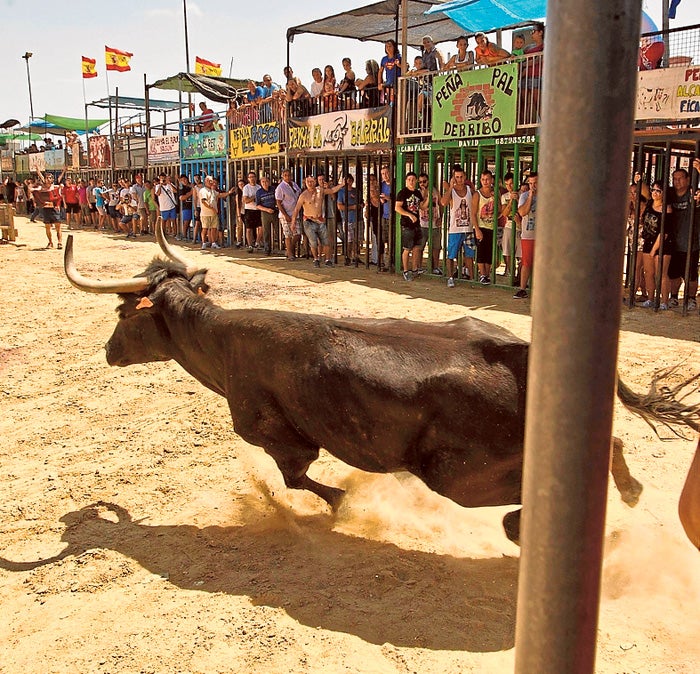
[
  {"x": 205, "y": 246},
  {"x": 663, "y": 306},
  {"x": 450, "y": 282},
  {"x": 692, "y": 305},
  {"x": 215, "y": 245}
]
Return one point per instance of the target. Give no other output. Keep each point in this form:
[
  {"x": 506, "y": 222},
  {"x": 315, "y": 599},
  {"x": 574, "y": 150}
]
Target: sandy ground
[{"x": 183, "y": 550}]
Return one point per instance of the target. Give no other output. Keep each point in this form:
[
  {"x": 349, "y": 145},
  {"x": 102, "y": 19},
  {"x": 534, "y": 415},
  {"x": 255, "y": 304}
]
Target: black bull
[{"x": 444, "y": 401}]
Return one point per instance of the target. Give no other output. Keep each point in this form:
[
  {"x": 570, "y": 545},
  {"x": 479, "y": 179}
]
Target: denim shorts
[{"x": 317, "y": 232}]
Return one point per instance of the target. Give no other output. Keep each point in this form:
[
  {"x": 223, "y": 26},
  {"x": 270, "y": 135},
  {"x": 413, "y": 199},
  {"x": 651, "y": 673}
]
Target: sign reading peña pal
[{"x": 475, "y": 103}]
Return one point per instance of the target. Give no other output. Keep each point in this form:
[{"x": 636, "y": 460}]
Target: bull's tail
[{"x": 663, "y": 404}]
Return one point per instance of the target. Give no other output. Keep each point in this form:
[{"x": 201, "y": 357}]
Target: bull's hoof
[
  {"x": 511, "y": 524},
  {"x": 335, "y": 499},
  {"x": 631, "y": 491}
]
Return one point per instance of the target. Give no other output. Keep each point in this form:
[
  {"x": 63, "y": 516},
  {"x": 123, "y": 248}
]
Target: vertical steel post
[
  {"x": 576, "y": 317},
  {"x": 693, "y": 174}
]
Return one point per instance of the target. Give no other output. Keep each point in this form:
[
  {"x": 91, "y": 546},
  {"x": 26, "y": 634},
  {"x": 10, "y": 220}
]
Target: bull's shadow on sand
[{"x": 407, "y": 598}]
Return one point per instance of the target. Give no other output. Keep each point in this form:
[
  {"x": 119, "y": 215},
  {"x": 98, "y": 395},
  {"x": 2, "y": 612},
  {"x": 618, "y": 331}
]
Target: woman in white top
[{"x": 463, "y": 59}]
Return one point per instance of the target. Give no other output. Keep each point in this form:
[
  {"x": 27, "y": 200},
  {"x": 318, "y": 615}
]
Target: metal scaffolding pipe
[{"x": 588, "y": 103}]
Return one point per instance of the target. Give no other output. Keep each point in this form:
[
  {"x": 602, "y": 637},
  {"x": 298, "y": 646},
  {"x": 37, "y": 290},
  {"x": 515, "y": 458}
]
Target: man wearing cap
[{"x": 486, "y": 52}]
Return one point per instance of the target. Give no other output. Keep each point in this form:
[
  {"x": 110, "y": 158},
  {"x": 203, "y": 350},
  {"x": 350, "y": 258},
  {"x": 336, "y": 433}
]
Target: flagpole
[
  {"x": 86, "y": 122},
  {"x": 187, "y": 40}
]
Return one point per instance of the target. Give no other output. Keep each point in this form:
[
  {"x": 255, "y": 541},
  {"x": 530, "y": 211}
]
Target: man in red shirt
[
  {"x": 69, "y": 195},
  {"x": 207, "y": 117}
]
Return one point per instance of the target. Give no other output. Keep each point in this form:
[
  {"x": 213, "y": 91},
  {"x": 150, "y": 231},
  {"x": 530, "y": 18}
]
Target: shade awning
[
  {"x": 220, "y": 89},
  {"x": 56, "y": 125},
  {"x": 490, "y": 15},
  {"x": 131, "y": 103},
  {"x": 378, "y": 22},
  {"x": 5, "y": 137}
]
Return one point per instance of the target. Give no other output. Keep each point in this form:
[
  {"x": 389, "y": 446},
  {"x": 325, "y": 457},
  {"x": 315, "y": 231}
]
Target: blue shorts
[
  {"x": 456, "y": 241},
  {"x": 186, "y": 214},
  {"x": 113, "y": 212},
  {"x": 170, "y": 214}
]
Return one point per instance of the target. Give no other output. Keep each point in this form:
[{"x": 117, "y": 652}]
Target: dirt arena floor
[{"x": 180, "y": 550}]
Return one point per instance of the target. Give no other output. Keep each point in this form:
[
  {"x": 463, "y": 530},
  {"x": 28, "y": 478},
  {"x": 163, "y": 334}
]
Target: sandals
[
  {"x": 49, "y": 244},
  {"x": 59, "y": 245}
]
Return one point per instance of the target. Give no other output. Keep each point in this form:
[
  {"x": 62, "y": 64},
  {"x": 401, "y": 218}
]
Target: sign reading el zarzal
[
  {"x": 254, "y": 141},
  {"x": 475, "y": 103},
  {"x": 164, "y": 149},
  {"x": 364, "y": 129},
  {"x": 669, "y": 93},
  {"x": 204, "y": 145}
]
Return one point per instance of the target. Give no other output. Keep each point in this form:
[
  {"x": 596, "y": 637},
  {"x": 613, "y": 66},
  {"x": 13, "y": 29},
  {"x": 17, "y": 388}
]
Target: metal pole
[
  {"x": 576, "y": 317},
  {"x": 187, "y": 39},
  {"x": 691, "y": 231},
  {"x": 26, "y": 57}
]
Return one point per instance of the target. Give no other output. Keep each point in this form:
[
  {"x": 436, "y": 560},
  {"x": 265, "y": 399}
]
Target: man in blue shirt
[{"x": 347, "y": 205}]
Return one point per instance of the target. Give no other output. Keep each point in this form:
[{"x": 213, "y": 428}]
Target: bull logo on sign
[{"x": 335, "y": 136}]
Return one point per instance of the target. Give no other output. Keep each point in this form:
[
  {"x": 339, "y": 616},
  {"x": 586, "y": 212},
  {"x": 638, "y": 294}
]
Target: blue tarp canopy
[
  {"x": 42, "y": 125},
  {"x": 489, "y": 15}
]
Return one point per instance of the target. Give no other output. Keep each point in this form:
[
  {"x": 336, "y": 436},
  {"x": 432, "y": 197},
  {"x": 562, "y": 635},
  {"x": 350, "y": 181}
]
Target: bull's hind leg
[{"x": 629, "y": 488}]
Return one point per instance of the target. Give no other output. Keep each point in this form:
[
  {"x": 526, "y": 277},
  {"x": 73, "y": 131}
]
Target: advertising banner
[
  {"x": 254, "y": 141},
  {"x": 475, "y": 103},
  {"x": 669, "y": 93},
  {"x": 164, "y": 149},
  {"x": 54, "y": 159},
  {"x": 99, "y": 151},
  {"x": 36, "y": 162},
  {"x": 365, "y": 129},
  {"x": 207, "y": 145}
]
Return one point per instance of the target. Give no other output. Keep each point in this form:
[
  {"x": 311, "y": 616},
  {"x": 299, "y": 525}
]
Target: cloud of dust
[
  {"x": 660, "y": 571},
  {"x": 400, "y": 509},
  {"x": 394, "y": 508}
]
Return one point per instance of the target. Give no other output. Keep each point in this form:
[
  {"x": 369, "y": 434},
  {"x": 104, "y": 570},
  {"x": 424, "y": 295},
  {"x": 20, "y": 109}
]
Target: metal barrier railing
[{"x": 369, "y": 97}]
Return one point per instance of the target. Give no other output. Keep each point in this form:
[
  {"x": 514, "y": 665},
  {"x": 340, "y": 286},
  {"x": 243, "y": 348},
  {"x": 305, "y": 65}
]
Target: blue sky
[{"x": 59, "y": 34}]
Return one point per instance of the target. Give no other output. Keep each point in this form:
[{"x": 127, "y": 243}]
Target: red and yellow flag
[
  {"x": 89, "y": 68},
  {"x": 115, "y": 59},
  {"x": 204, "y": 67}
]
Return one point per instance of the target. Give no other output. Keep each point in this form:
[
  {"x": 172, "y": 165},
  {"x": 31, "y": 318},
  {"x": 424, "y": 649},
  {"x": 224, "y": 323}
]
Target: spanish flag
[
  {"x": 89, "y": 68},
  {"x": 117, "y": 60},
  {"x": 204, "y": 67}
]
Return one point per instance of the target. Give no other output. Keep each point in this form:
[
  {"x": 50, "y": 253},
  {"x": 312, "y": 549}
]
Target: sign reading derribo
[{"x": 476, "y": 103}]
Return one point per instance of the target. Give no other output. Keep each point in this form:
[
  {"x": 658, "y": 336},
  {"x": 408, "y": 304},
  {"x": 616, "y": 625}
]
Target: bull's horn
[
  {"x": 172, "y": 252},
  {"x": 132, "y": 285}
]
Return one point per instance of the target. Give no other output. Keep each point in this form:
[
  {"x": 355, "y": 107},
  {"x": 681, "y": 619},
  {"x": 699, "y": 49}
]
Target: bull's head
[{"x": 141, "y": 335}]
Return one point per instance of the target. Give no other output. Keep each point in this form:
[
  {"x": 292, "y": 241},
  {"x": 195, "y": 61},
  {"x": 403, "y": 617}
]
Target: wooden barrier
[{"x": 7, "y": 222}]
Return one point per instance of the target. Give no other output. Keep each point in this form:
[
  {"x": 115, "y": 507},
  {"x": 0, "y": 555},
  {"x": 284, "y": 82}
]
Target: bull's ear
[{"x": 144, "y": 303}]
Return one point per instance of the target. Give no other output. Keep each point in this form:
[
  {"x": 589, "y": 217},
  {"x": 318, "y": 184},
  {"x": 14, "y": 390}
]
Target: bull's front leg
[
  {"x": 629, "y": 488},
  {"x": 292, "y": 452}
]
